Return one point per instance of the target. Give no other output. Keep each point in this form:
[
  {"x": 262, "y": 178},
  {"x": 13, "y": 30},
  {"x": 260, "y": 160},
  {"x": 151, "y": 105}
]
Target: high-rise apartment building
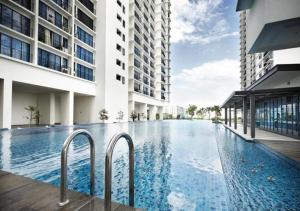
[
  {"x": 149, "y": 57},
  {"x": 255, "y": 65},
  {"x": 270, "y": 63},
  {"x": 72, "y": 58}
]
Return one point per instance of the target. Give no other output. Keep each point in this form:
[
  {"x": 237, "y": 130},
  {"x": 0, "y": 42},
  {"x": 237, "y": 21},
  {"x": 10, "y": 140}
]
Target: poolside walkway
[
  {"x": 287, "y": 146},
  {"x": 21, "y": 193}
]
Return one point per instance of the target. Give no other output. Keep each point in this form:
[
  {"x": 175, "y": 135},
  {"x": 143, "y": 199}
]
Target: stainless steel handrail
[
  {"x": 108, "y": 169},
  {"x": 64, "y": 164}
]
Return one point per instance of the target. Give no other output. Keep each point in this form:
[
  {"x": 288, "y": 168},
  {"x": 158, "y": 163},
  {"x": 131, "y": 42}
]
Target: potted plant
[{"x": 103, "y": 115}]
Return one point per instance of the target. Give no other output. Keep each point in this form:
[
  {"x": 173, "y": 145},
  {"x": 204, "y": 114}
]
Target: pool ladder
[{"x": 108, "y": 167}]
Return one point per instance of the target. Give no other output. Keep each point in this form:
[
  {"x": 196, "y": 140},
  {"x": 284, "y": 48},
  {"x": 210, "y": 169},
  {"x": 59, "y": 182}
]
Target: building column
[
  {"x": 245, "y": 115},
  {"x": 230, "y": 116},
  {"x": 153, "y": 111},
  {"x": 6, "y": 104},
  {"x": 52, "y": 109},
  {"x": 35, "y": 33},
  {"x": 226, "y": 121},
  {"x": 67, "y": 108},
  {"x": 252, "y": 115},
  {"x": 235, "y": 116}
]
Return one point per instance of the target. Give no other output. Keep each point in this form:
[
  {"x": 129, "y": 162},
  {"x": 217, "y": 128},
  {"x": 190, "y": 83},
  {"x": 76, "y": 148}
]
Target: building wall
[{"x": 19, "y": 102}]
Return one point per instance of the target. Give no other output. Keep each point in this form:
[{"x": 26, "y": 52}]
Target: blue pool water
[{"x": 179, "y": 165}]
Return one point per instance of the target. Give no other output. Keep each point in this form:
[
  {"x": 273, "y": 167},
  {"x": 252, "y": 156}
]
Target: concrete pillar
[
  {"x": 67, "y": 108},
  {"x": 245, "y": 115},
  {"x": 226, "y": 120},
  {"x": 35, "y": 33},
  {"x": 235, "y": 116},
  {"x": 230, "y": 116},
  {"x": 153, "y": 111},
  {"x": 252, "y": 115},
  {"x": 6, "y": 103},
  {"x": 143, "y": 112},
  {"x": 52, "y": 109},
  {"x": 160, "y": 112}
]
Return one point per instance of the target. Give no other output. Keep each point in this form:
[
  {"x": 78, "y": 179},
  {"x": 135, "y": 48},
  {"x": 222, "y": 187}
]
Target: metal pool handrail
[
  {"x": 108, "y": 169},
  {"x": 64, "y": 164}
]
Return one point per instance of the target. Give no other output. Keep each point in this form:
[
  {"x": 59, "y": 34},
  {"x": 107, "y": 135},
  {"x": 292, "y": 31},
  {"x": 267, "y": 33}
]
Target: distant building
[{"x": 176, "y": 112}]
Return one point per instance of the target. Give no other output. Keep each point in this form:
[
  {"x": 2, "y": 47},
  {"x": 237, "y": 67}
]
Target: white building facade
[
  {"x": 149, "y": 58},
  {"x": 255, "y": 65},
  {"x": 69, "y": 59}
]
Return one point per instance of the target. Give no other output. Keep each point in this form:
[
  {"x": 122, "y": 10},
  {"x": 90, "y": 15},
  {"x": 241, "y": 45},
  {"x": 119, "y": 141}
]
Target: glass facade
[
  {"x": 14, "y": 48},
  {"x": 50, "y": 60},
  {"x": 279, "y": 114},
  {"x": 84, "y": 36},
  {"x": 84, "y": 54},
  {"x": 84, "y": 72},
  {"x": 14, "y": 20}
]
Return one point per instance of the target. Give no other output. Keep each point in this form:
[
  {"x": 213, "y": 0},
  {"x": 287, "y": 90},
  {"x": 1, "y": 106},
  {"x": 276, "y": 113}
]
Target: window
[
  {"x": 14, "y": 20},
  {"x": 52, "y": 16},
  {"x": 119, "y": 48},
  {"x": 84, "y": 36},
  {"x": 123, "y": 80},
  {"x": 84, "y": 72},
  {"x": 84, "y": 54},
  {"x": 123, "y": 8},
  {"x": 123, "y": 37},
  {"x": 119, "y": 18},
  {"x": 137, "y": 63},
  {"x": 14, "y": 48},
  {"x": 49, "y": 60},
  {"x": 85, "y": 19},
  {"x": 118, "y": 62},
  {"x": 118, "y": 77},
  {"x": 124, "y": 24},
  {"x": 62, "y": 3},
  {"x": 119, "y": 32},
  {"x": 119, "y": 3},
  {"x": 123, "y": 66},
  {"x": 24, "y": 3},
  {"x": 88, "y": 4}
]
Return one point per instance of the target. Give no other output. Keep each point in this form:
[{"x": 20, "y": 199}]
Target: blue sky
[{"x": 204, "y": 51}]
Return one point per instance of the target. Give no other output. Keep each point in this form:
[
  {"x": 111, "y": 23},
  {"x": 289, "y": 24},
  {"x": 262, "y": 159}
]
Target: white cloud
[
  {"x": 198, "y": 21},
  {"x": 206, "y": 85}
]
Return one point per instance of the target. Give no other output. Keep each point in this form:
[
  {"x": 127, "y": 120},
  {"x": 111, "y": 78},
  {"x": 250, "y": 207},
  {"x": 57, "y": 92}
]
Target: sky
[{"x": 204, "y": 51}]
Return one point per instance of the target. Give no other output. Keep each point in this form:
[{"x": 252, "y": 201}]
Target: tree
[
  {"x": 217, "y": 111},
  {"x": 103, "y": 115},
  {"x": 34, "y": 114},
  {"x": 191, "y": 110},
  {"x": 133, "y": 115},
  {"x": 120, "y": 115},
  {"x": 201, "y": 112},
  {"x": 208, "y": 110}
]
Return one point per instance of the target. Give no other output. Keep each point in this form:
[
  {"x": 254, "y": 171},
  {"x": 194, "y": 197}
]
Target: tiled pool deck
[
  {"x": 287, "y": 146},
  {"x": 21, "y": 193}
]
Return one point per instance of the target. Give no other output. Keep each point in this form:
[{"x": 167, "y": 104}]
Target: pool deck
[
  {"x": 21, "y": 193},
  {"x": 286, "y": 146}
]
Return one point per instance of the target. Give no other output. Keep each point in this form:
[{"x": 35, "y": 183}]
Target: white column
[
  {"x": 52, "y": 109},
  {"x": 144, "y": 111},
  {"x": 6, "y": 104},
  {"x": 153, "y": 111},
  {"x": 67, "y": 108},
  {"x": 35, "y": 33},
  {"x": 160, "y": 111}
]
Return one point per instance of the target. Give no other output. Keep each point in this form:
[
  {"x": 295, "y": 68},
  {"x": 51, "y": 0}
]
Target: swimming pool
[{"x": 179, "y": 165}]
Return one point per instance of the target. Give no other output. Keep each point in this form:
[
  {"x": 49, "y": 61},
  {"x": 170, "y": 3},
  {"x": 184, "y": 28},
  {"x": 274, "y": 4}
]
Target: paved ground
[
  {"x": 21, "y": 193},
  {"x": 287, "y": 146}
]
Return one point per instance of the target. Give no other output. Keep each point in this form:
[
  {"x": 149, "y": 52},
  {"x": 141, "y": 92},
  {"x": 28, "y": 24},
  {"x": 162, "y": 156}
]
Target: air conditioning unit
[
  {"x": 64, "y": 70},
  {"x": 66, "y": 50}
]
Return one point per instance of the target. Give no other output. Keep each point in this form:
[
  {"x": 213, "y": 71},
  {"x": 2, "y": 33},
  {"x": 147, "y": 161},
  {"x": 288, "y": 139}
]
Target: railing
[
  {"x": 108, "y": 169},
  {"x": 64, "y": 163}
]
